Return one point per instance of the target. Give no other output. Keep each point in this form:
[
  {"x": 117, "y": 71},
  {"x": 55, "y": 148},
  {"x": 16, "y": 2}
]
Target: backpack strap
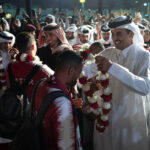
[
  {"x": 10, "y": 75},
  {"x": 30, "y": 76},
  {"x": 31, "y": 109},
  {"x": 46, "y": 104},
  {"x": 19, "y": 88},
  {"x": 48, "y": 100}
]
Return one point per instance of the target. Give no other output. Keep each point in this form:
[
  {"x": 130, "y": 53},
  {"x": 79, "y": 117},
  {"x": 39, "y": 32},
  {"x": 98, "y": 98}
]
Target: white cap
[
  {"x": 7, "y": 37},
  {"x": 125, "y": 22},
  {"x": 72, "y": 28},
  {"x": 84, "y": 30}
]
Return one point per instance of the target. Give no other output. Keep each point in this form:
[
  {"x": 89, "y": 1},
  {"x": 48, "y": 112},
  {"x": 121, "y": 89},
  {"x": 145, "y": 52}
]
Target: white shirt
[
  {"x": 72, "y": 41},
  {"x": 6, "y": 59},
  {"x": 130, "y": 115}
]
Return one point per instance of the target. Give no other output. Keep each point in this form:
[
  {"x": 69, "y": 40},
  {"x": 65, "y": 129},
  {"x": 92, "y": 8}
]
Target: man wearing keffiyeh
[
  {"x": 56, "y": 41},
  {"x": 7, "y": 53},
  {"x": 129, "y": 69}
]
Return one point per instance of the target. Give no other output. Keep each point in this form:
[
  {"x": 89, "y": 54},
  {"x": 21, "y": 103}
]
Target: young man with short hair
[
  {"x": 60, "y": 128},
  {"x": 25, "y": 62}
]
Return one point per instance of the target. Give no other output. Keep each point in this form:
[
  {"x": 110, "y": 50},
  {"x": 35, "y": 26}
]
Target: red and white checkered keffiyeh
[{"x": 60, "y": 34}]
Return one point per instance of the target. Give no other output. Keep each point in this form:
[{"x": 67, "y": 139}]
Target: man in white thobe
[
  {"x": 71, "y": 34},
  {"x": 7, "y": 41},
  {"x": 85, "y": 35},
  {"x": 106, "y": 36},
  {"x": 128, "y": 66}
]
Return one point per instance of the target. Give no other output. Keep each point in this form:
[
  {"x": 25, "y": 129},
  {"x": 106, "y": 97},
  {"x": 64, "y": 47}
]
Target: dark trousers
[{"x": 5, "y": 146}]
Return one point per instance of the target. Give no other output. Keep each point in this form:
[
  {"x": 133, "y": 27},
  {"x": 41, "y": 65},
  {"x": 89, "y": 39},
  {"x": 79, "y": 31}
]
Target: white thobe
[
  {"x": 129, "y": 117},
  {"x": 72, "y": 41},
  {"x": 6, "y": 59}
]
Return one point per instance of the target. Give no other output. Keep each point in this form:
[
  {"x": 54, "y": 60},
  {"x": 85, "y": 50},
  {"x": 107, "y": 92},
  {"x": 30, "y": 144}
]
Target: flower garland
[
  {"x": 95, "y": 85},
  {"x": 85, "y": 53},
  {"x": 20, "y": 57},
  {"x": 99, "y": 98},
  {"x": 27, "y": 57}
]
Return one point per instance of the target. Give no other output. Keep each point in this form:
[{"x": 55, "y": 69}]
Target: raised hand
[
  {"x": 13, "y": 52},
  {"x": 103, "y": 64}
]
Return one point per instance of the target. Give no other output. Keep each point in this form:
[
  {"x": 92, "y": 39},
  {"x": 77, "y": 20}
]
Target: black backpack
[
  {"x": 11, "y": 109},
  {"x": 29, "y": 136}
]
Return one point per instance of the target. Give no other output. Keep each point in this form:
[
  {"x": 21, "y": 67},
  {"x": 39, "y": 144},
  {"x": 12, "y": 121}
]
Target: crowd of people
[{"x": 120, "y": 46}]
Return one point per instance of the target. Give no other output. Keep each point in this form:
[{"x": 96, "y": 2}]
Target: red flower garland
[
  {"x": 83, "y": 80},
  {"x": 101, "y": 118},
  {"x": 85, "y": 54},
  {"x": 27, "y": 57},
  {"x": 107, "y": 98},
  {"x": 105, "y": 83}
]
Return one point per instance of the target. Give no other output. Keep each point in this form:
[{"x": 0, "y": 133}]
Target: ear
[
  {"x": 131, "y": 34},
  {"x": 70, "y": 71},
  {"x": 32, "y": 47}
]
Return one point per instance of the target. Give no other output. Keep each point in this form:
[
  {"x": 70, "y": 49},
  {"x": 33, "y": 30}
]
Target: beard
[
  {"x": 84, "y": 41},
  {"x": 70, "y": 38}
]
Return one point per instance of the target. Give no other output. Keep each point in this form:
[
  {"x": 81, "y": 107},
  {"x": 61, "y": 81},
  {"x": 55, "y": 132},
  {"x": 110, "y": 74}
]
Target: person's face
[
  {"x": 137, "y": 20},
  {"x": 142, "y": 32},
  {"x": 75, "y": 11},
  {"x": 121, "y": 38},
  {"x": 70, "y": 20},
  {"x": 146, "y": 36},
  {"x": 1, "y": 10},
  {"x": 33, "y": 33},
  {"x": 69, "y": 35},
  {"x": 84, "y": 38},
  {"x": 99, "y": 16},
  {"x": 1, "y": 28},
  {"x": 51, "y": 38},
  {"x": 6, "y": 46},
  {"x": 34, "y": 48},
  {"x": 73, "y": 75},
  {"x": 106, "y": 35}
]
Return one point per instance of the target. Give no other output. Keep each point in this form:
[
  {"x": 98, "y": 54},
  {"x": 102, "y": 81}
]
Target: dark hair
[
  {"x": 66, "y": 59},
  {"x": 24, "y": 41},
  {"x": 97, "y": 46},
  {"x": 147, "y": 30}
]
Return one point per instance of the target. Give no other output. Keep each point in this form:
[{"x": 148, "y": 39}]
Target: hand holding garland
[
  {"x": 97, "y": 89},
  {"x": 103, "y": 63}
]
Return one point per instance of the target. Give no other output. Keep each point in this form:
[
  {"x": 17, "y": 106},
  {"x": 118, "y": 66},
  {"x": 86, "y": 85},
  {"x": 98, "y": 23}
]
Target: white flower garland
[
  {"x": 35, "y": 59},
  {"x": 99, "y": 100}
]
